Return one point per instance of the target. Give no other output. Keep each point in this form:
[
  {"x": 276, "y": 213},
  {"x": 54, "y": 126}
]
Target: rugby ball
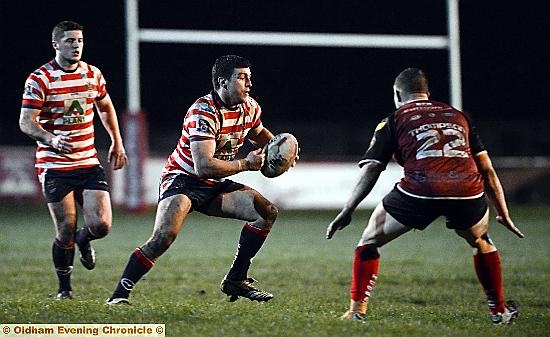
[{"x": 280, "y": 153}]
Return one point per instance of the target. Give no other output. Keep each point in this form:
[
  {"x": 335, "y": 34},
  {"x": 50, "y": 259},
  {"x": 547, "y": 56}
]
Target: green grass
[{"x": 426, "y": 286}]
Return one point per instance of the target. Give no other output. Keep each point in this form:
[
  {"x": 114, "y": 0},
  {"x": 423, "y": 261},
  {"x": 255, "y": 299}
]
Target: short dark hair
[
  {"x": 412, "y": 80},
  {"x": 224, "y": 66},
  {"x": 64, "y": 26}
]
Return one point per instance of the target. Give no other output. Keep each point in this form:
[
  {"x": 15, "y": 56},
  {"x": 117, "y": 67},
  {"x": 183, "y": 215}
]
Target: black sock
[
  {"x": 137, "y": 266},
  {"x": 63, "y": 261},
  {"x": 84, "y": 236},
  {"x": 250, "y": 242}
]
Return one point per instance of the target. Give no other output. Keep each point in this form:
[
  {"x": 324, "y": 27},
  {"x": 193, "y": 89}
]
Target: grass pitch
[{"x": 426, "y": 286}]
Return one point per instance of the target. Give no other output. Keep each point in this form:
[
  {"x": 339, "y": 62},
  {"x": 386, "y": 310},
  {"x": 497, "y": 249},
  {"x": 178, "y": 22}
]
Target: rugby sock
[
  {"x": 63, "y": 257},
  {"x": 489, "y": 273},
  {"x": 364, "y": 273},
  {"x": 137, "y": 266},
  {"x": 84, "y": 235},
  {"x": 250, "y": 242}
]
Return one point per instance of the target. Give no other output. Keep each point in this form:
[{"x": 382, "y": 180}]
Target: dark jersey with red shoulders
[{"x": 435, "y": 144}]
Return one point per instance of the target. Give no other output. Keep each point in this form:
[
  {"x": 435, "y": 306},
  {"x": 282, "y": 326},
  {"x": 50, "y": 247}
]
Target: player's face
[
  {"x": 69, "y": 48},
  {"x": 238, "y": 85}
]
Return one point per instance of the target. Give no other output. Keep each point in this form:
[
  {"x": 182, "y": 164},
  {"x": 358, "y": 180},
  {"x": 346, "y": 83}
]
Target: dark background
[{"x": 330, "y": 98}]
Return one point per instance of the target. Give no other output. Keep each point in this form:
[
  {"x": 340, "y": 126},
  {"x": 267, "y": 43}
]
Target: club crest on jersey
[
  {"x": 28, "y": 89},
  {"x": 204, "y": 127}
]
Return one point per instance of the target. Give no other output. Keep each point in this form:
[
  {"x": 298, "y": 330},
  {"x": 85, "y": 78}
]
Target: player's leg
[
  {"x": 96, "y": 206},
  {"x": 64, "y": 217},
  {"x": 381, "y": 229},
  {"x": 244, "y": 203},
  {"x": 171, "y": 212},
  {"x": 488, "y": 270}
]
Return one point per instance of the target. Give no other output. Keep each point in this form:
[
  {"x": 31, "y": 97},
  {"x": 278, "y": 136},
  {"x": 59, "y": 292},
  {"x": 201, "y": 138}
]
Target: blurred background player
[
  {"x": 447, "y": 172},
  {"x": 58, "y": 111},
  {"x": 214, "y": 129}
]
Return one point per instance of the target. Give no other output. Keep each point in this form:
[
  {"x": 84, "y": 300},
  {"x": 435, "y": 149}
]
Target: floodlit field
[{"x": 426, "y": 286}]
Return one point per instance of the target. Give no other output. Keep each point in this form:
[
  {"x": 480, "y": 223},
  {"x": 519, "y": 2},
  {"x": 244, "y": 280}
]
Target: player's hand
[
  {"x": 62, "y": 143},
  {"x": 117, "y": 157},
  {"x": 342, "y": 220},
  {"x": 255, "y": 159},
  {"x": 508, "y": 223}
]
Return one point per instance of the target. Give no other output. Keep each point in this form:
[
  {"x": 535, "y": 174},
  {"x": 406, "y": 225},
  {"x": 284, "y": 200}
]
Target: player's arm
[
  {"x": 29, "y": 125},
  {"x": 374, "y": 161},
  {"x": 259, "y": 136},
  {"x": 206, "y": 166},
  {"x": 495, "y": 192},
  {"x": 107, "y": 114},
  {"x": 370, "y": 172}
]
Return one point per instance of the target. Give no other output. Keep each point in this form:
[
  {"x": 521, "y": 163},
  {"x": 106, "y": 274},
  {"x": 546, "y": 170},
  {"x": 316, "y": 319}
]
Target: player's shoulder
[
  {"x": 204, "y": 105},
  {"x": 251, "y": 105},
  {"x": 88, "y": 67}
]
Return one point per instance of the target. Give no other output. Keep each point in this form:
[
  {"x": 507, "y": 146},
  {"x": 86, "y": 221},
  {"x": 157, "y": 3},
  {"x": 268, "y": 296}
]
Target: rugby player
[
  {"x": 57, "y": 111},
  {"x": 194, "y": 179},
  {"x": 447, "y": 172}
]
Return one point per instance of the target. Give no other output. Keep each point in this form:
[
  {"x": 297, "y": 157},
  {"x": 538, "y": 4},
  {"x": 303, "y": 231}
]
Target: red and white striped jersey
[
  {"x": 209, "y": 119},
  {"x": 66, "y": 103}
]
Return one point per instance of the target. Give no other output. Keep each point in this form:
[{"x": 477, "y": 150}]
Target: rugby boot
[
  {"x": 357, "y": 311},
  {"x": 243, "y": 288},
  {"x": 511, "y": 312},
  {"x": 117, "y": 301},
  {"x": 64, "y": 295}
]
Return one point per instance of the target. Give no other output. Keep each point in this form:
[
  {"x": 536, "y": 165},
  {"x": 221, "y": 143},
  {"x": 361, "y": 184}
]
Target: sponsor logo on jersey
[{"x": 74, "y": 111}]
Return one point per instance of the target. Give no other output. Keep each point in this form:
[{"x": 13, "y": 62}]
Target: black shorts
[
  {"x": 56, "y": 184},
  {"x": 419, "y": 213},
  {"x": 200, "y": 193}
]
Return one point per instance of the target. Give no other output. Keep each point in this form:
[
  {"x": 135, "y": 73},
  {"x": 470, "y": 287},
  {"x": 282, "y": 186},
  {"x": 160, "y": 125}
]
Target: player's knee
[
  {"x": 484, "y": 244},
  {"x": 272, "y": 213},
  {"x": 65, "y": 235},
  {"x": 101, "y": 229},
  {"x": 268, "y": 214},
  {"x": 158, "y": 244}
]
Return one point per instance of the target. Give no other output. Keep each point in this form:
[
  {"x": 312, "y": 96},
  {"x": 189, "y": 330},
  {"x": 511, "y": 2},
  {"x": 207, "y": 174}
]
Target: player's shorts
[
  {"x": 200, "y": 193},
  {"x": 56, "y": 184},
  {"x": 419, "y": 213}
]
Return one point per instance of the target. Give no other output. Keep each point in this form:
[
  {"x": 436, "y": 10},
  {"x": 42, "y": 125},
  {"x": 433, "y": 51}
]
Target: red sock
[
  {"x": 364, "y": 272},
  {"x": 489, "y": 273}
]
